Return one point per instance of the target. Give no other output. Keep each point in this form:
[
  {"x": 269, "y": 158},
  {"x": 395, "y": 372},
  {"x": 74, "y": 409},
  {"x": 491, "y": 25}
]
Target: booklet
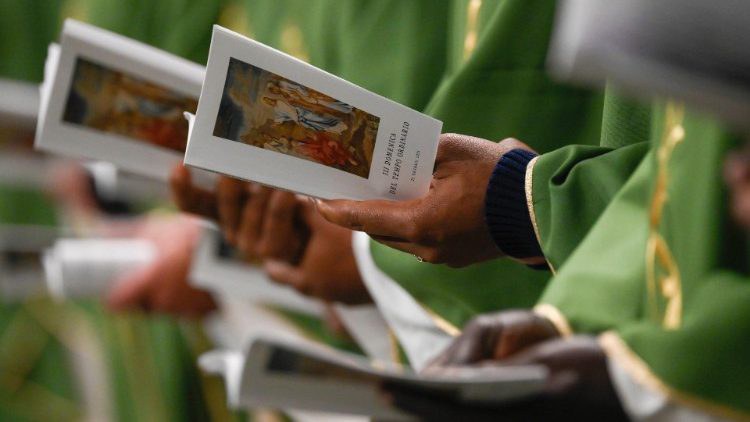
[
  {"x": 218, "y": 268},
  {"x": 270, "y": 118},
  {"x": 283, "y": 373},
  {"x": 85, "y": 268},
  {"x": 685, "y": 49},
  {"x": 110, "y": 98}
]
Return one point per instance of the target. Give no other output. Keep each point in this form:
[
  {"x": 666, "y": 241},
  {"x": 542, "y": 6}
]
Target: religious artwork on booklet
[
  {"x": 115, "y": 102},
  {"x": 264, "y": 110}
]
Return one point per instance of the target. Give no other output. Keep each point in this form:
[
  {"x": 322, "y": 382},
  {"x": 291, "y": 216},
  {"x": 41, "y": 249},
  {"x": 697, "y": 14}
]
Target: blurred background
[{"x": 68, "y": 357}]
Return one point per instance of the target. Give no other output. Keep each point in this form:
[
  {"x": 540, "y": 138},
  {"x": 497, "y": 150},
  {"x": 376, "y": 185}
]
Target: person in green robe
[
  {"x": 649, "y": 313},
  {"x": 495, "y": 71},
  {"x": 490, "y": 68}
]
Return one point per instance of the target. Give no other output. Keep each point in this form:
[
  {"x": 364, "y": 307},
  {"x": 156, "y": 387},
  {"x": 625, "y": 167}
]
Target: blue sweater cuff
[{"x": 506, "y": 211}]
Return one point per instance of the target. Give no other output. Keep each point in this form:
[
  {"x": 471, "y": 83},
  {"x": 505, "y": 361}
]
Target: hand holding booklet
[
  {"x": 267, "y": 117},
  {"x": 291, "y": 374}
]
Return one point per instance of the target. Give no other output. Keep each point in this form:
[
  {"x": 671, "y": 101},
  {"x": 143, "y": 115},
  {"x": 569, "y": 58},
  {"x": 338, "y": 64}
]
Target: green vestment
[{"x": 664, "y": 273}]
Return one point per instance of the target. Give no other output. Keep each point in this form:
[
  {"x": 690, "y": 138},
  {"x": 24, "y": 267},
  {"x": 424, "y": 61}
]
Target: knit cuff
[{"x": 506, "y": 210}]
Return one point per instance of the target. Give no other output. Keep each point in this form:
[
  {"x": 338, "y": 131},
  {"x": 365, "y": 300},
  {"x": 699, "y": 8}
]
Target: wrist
[{"x": 506, "y": 209}]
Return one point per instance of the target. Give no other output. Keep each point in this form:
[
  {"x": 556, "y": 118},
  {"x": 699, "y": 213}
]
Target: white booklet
[
  {"x": 87, "y": 268},
  {"x": 218, "y": 268},
  {"x": 110, "y": 98},
  {"x": 283, "y": 373},
  {"x": 268, "y": 117}
]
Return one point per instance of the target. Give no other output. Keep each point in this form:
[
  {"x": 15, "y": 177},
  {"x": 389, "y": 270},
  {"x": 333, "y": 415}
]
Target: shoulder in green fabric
[
  {"x": 665, "y": 269},
  {"x": 501, "y": 90}
]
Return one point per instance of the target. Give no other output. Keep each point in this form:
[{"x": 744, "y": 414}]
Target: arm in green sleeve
[{"x": 570, "y": 187}]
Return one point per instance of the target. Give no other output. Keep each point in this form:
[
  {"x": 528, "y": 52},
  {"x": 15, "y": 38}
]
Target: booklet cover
[
  {"x": 268, "y": 117},
  {"x": 111, "y": 98},
  {"x": 284, "y": 373}
]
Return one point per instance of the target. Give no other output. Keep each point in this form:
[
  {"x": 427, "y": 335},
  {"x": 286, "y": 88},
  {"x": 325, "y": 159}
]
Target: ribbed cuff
[{"x": 506, "y": 210}]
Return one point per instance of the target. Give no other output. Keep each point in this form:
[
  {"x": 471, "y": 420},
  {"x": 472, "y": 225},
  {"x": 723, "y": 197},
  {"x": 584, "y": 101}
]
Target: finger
[
  {"x": 230, "y": 197},
  {"x": 132, "y": 290},
  {"x": 252, "y": 220},
  {"x": 284, "y": 273},
  {"x": 468, "y": 348},
  {"x": 190, "y": 198},
  {"x": 379, "y": 217},
  {"x": 278, "y": 237}
]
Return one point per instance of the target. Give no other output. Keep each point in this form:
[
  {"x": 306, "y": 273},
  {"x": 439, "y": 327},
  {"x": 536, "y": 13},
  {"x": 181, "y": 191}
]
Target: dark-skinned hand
[
  {"x": 495, "y": 337},
  {"x": 258, "y": 221},
  {"x": 327, "y": 269},
  {"x": 578, "y": 388},
  {"x": 447, "y": 225}
]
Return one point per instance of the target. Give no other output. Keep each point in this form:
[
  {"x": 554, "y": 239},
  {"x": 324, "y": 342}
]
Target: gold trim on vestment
[
  {"x": 293, "y": 42},
  {"x": 528, "y": 186},
  {"x": 234, "y": 17},
  {"x": 618, "y": 351},
  {"x": 555, "y": 317},
  {"x": 662, "y": 272},
  {"x": 472, "y": 32}
]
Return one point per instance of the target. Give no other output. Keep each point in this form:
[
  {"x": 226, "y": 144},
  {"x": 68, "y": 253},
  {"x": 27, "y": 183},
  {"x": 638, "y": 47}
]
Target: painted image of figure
[
  {"x": 265, "y": 110},
  {"x": 111, "y": 101},
  {"x": 304, "y": 117}
]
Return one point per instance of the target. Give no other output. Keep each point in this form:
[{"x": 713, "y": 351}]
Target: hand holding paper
[
  {"x": 578, "y": 385},
  {"x": 260, "y": 222},
  {"x": 494, "y": 337},
  {"x": 327, "y": 269},
  {"x": 447, "y": 225},
  {"x": 162, "y": 286}
]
